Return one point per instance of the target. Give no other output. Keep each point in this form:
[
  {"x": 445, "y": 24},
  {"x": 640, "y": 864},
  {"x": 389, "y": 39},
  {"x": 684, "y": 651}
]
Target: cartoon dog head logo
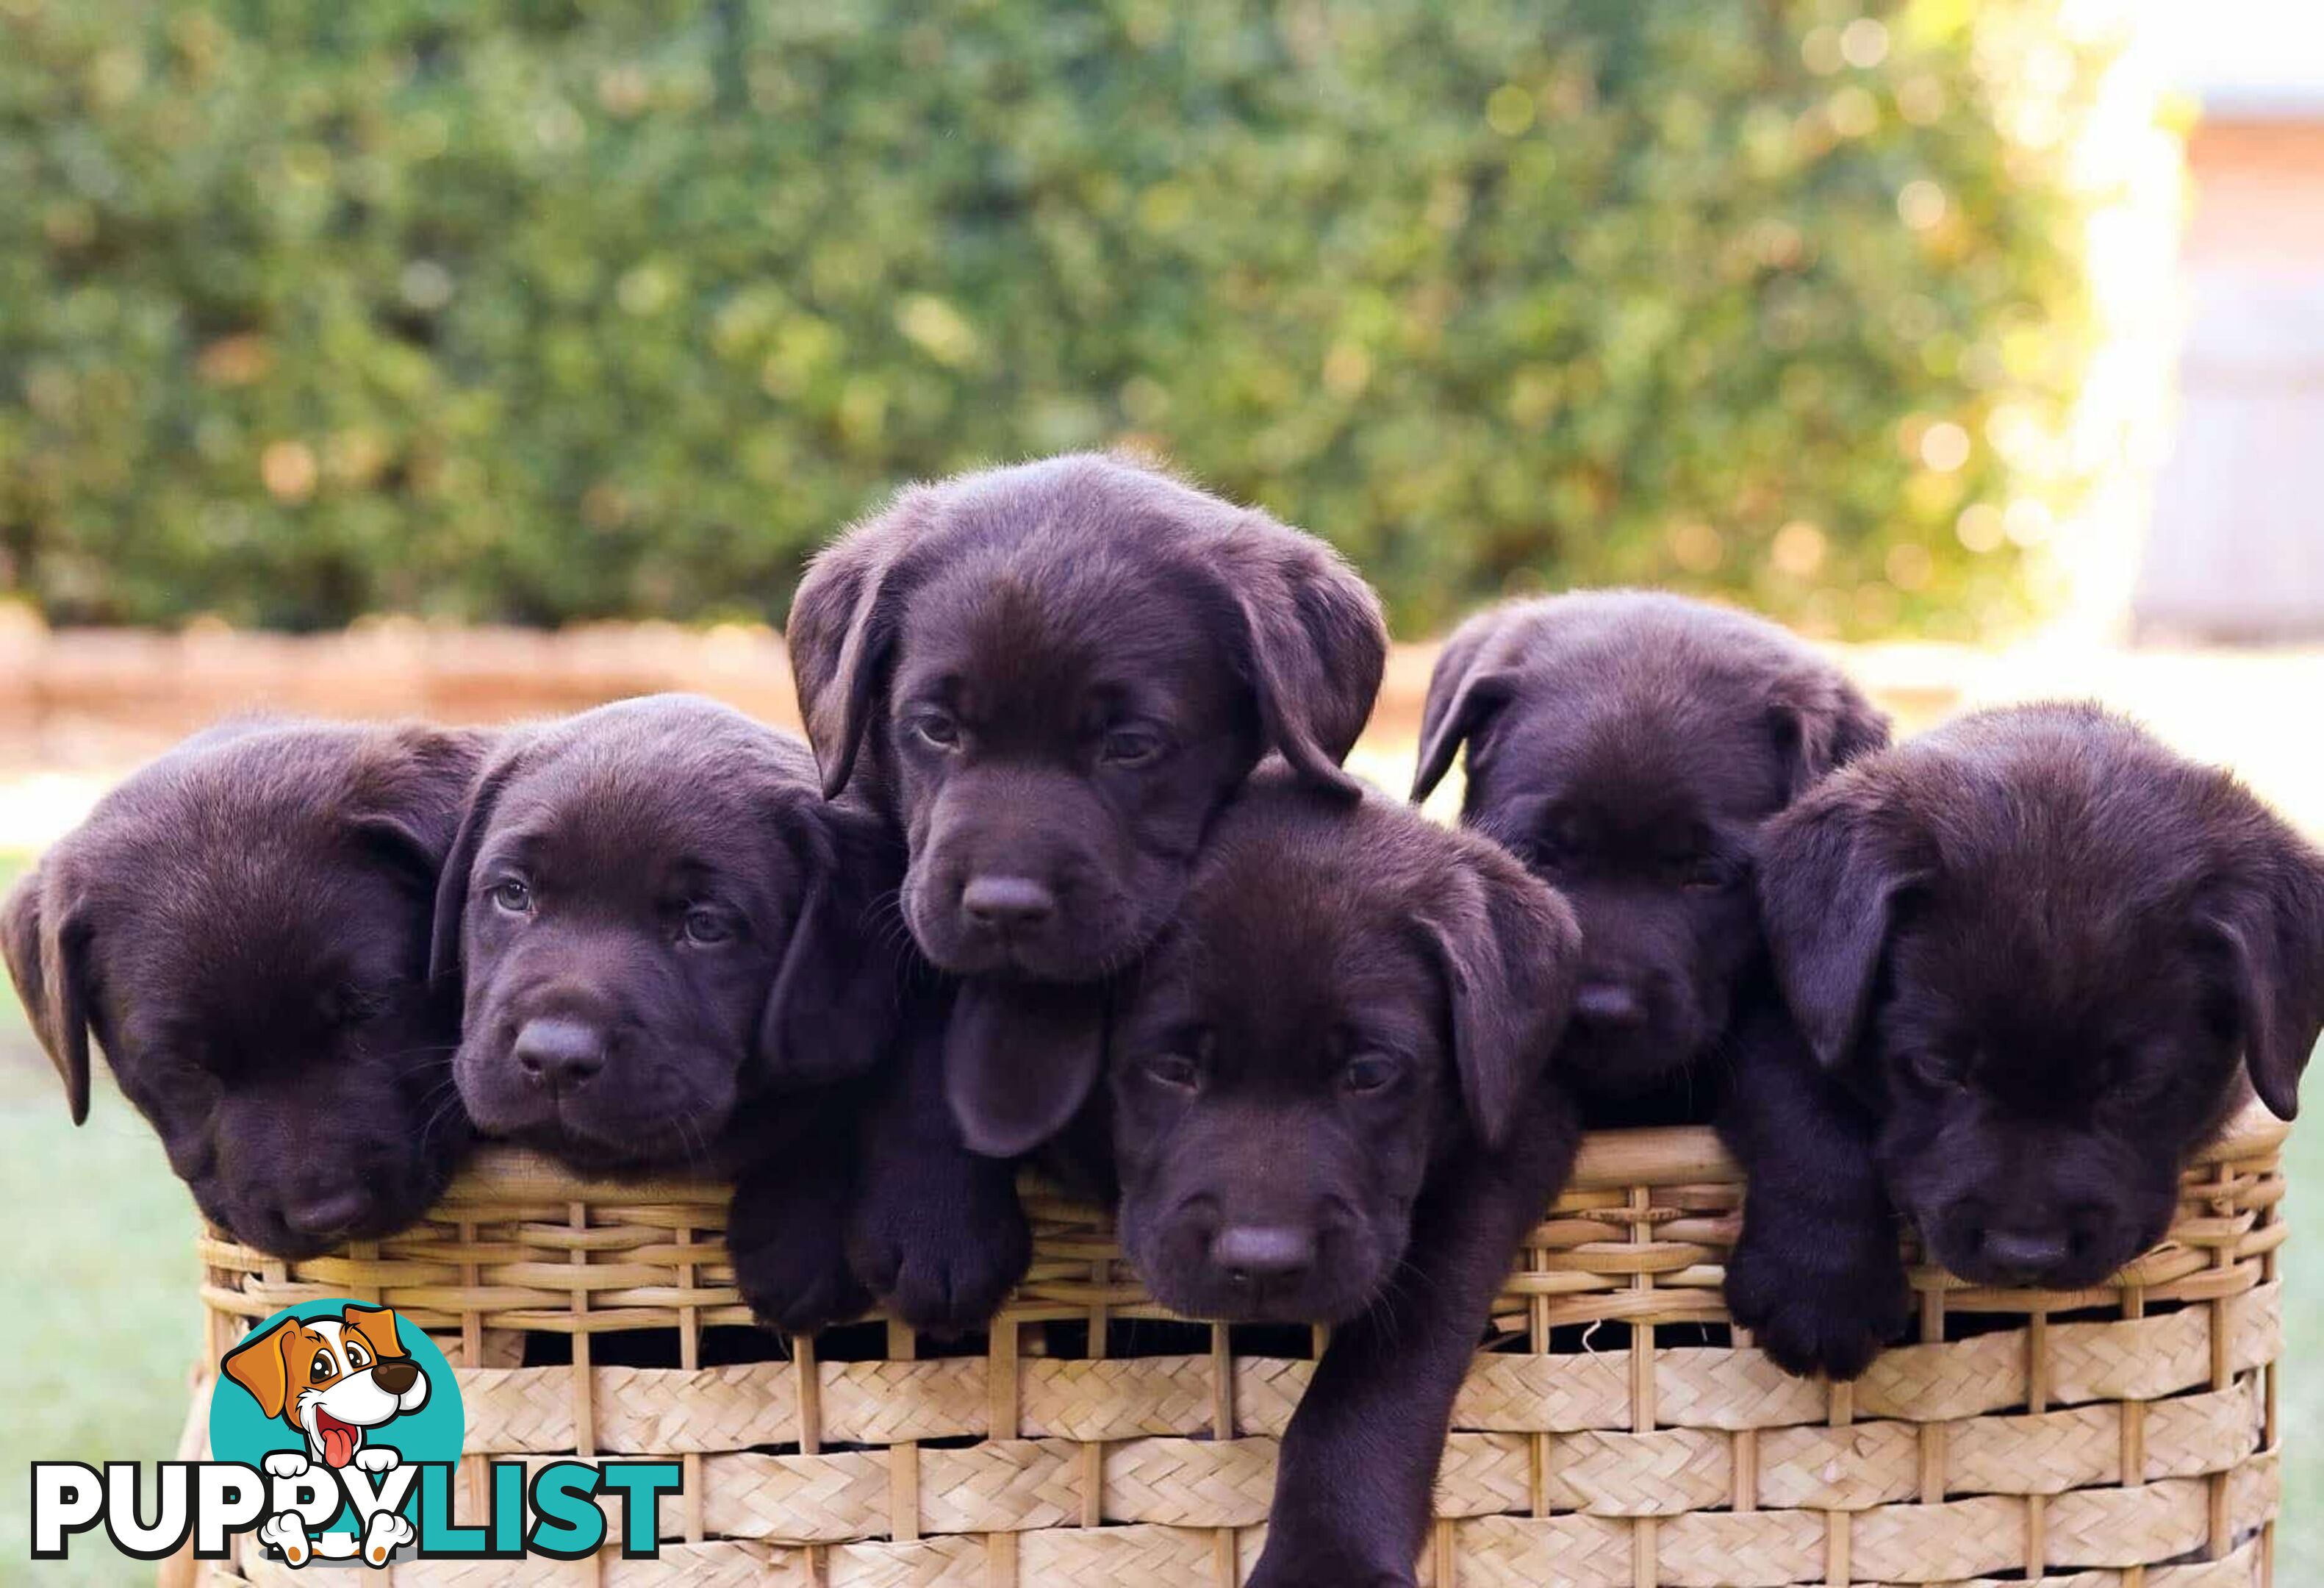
[{"x": 333, "y": 1380}]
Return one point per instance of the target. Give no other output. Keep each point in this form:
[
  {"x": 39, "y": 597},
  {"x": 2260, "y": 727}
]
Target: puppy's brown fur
[
  {"x": 1051, "y": 677},
  {"x": 1628, "y": 747},
  {"x": 671, "y": 956},
  {"x": 2043, "y": 954},
  {"x": 243, "y": 926},
  {"x": 1333, "y": 1103}
]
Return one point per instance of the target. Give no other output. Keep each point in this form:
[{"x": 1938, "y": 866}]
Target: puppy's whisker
[
  {"x": 432, "y": 1106},
  {"x": 443, "y": 1111},
  {"x": 694, "y": 1141},
  {"x": 887, "y": 906},
  {"x": 422, "y": 1050},
  {"x": 448, "y": 1085},
  {"x": 884, "y": 923}
]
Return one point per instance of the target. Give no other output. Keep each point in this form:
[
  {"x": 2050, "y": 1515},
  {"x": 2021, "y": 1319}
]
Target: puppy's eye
[
  {"x": 1705, "y": 876},
  {"x": 513, "y": 896},
  {"x": 356, "y": 1359},
  {"x": 1131, "y": 747},
  {"x": 937, "y": 730},
  {"x": 1174, "y": 1070},
  {"x": 323, "y": 1367},
  {"x": 706, "y": 927},
  {"x": 1940, "y": 1069},
  {"x": 1541, "y": 852},
  {"x": 1369, "y": 1072}
]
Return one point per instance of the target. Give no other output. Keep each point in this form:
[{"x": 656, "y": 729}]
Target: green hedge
[{"x": 539, "y": 310}]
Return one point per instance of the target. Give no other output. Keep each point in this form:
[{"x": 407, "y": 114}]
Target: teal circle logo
[{"x": 337, "y": 1392}]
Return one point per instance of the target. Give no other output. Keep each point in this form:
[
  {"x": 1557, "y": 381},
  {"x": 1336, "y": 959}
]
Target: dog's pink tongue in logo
[{"x": 338, "y": 1438}]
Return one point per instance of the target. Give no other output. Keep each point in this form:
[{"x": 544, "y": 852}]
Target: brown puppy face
[
  {"x": 1626, "y": 747},
  {"x": 2042, "y": 943},
  {"x": 657, "y": 918},
  {"x": 243, "y": 927},
  {"x": 1349, "y": 993},
  {"x": 333, "y": 1380},
  {"x": 1052, "y": 676}
]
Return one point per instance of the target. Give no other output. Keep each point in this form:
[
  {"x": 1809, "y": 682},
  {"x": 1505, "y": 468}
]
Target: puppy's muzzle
[
  {"x": 1017, "y": 916},
  {"x": 395, "y": 1375},
  {"x": 329, "y": 1213},
  {"x": 559, "y": 1055},
  {"x": 1007, "y": 906},
  {"x": 2023, "y": 1251},
  {"x": 1609, "y": 1007},
  {"x": 2078, "y": 1246},
  {"x": 1263, "y": 1254},
  {"x": 1279, "y": 1264}
]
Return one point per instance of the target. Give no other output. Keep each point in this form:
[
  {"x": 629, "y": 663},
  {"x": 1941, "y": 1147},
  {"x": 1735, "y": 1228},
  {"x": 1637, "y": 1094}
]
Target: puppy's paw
[
  {"x": 1828, "y": 1313},
  {"x": 285, "y": 1463},
  {"x": 383, "y": 1535},
  {"x": 942, "y": 1264},
  {"x": 378, "y": 1458},
  {"x": 797, "y": 1281},
  {"x": 285, "y": 1532}
]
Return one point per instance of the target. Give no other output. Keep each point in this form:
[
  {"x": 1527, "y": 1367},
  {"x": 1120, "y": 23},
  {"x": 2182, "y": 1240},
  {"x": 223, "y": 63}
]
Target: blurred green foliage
[{"x": 542, "y": 309}]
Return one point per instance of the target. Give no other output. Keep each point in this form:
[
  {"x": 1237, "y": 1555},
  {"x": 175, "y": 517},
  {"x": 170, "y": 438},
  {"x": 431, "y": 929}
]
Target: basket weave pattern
[{"x": 2121, "y": 1436}]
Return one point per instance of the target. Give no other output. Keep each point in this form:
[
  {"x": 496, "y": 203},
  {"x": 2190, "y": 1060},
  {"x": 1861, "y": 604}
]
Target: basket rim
[{"x": 1661, "y": 1155}]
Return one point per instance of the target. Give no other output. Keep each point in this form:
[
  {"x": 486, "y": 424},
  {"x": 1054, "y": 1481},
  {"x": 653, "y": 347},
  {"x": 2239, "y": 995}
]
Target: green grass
[
  {"x": 101, "y": 1325},
  {"x": 103, "y": 1328}
]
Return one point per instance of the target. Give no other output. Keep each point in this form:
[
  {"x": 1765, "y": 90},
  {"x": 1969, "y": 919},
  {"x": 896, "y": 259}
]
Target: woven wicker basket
[{"x": 1615, "y": 1437}]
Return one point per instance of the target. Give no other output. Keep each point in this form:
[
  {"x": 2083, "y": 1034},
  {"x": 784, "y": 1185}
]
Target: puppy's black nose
[
  {"x": 1608, "y": 1003},
  {"x": 562, "y": 1055},
  {"x": 1007, "y": 903},
  {"x": 2026, "y": 1254},
  {"x": 394, "y": 1375},
  {"x": 1264, "y": 1252},
  {"x": 328, "y": 1213}
]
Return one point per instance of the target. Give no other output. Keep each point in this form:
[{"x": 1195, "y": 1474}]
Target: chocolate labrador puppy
[
  {"x": 243, "y": 926},
  {"x": 1051, "y": 677},
  {"x": 671, "y": 959},
  {"x": 1628, "y": 746},
  {"x": 1333, "y": 1102},
  {"x": 2037, "y": 957}
]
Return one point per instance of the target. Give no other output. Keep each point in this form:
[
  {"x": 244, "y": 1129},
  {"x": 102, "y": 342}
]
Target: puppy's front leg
[
  {"x": 1816, "y": 1275},
  {"x": 937, "y": 1233},
  {"x": 787, "y": 1228},
  {"x": 1358, "y": 1467}
]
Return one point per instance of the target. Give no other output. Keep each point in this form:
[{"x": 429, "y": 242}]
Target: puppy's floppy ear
[
  {"x": 45, "y": 936},
  {"x": 1821, "y": 721},
  {"x": 376, "y": 1325},
  {"x": 1828, "y": 885},
  {"x": 1465, "y": 692},
  {"x": 1019, "y": 1060},
  {"x": 409, "y": 791},
  {"x": 2270, "y": 913},
  {"x": 836, "y": 1001},
  {"x": 1312, "y": 642},
  {"x": 258, "y": 1365},
  {"x": 841, "y": 631},
  {"x": 460, "y": 860},
  {"x": 1506, "y": 944}
]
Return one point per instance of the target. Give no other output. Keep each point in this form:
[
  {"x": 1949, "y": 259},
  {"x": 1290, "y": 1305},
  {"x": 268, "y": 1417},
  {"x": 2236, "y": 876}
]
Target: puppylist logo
[{"x": 336, "y": 1427}]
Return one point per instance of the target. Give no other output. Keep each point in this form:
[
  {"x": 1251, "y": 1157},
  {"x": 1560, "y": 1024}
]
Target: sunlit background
[{"x": 483, "y": 360}]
